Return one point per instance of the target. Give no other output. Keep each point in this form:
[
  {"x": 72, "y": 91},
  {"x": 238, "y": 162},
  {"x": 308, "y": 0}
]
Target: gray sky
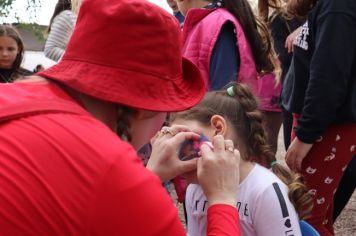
[{"x": 45, "y": 12}]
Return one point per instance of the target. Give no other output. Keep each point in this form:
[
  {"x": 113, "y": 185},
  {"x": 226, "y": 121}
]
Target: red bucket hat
[{"x": 129, "y": 52}]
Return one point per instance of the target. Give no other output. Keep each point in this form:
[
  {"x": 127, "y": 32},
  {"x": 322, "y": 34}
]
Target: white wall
[{"x": 32, "y": 59}]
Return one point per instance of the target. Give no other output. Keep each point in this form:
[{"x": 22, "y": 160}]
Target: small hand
[
  {"x": 296, "y": 153},
  {"x": 291, "y": 38},
  {"x": 164, "y": 160}
]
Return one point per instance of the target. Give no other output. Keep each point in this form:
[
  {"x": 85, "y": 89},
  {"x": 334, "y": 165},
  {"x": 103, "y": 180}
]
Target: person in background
[
  {"x": 266, "y": 197},
  {"x": 283, "y": 25},
  {"x": 173, "y": 5},
  {"x": 228, "y": 43},
  {"x": 60, "y": 28},
  {"x": 65, "y": 171},
  {"x": 38, "y": 68},
  {"x": 11, "y": 55},
  {"x": 321, "y": 93}
]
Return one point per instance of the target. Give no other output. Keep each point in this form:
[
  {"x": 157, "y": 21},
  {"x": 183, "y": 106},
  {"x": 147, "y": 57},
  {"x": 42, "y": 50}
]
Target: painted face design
[{"x": 191, "y": 148}]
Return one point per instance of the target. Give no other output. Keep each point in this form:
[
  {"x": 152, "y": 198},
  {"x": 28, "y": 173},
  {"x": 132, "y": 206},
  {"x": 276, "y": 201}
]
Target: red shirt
[{"x": 69, "y": 174}]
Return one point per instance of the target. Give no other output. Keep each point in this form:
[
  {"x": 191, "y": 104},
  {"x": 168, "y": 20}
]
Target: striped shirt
[{"x": 58, "y": 37}]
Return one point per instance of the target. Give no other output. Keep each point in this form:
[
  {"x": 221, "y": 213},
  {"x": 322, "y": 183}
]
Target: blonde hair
[{"x": 76, "y": 6}]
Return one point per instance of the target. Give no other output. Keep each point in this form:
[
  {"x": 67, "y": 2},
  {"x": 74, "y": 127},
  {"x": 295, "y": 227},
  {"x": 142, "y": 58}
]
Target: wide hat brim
[{"x": 132, "y": 88}]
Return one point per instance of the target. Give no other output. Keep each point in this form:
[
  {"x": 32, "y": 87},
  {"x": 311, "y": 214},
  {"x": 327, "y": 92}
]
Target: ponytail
[
  {"x": 262, "y": 154},
  {"x": 123, "y": 123},
  {"x": 297, "y": 191}
]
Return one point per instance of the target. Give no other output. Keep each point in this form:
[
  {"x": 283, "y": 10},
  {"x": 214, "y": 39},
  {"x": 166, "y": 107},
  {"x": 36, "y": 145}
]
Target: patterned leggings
[{"x": 323, "y": 168}]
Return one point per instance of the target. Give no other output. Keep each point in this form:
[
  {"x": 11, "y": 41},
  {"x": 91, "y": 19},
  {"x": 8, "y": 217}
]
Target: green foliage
[
  {"x": 35, "y": 29},
  {"x": 6, "y": 7}
]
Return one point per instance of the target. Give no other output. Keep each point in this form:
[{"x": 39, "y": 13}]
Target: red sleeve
[
  {"x": 132, "y": 201},
  {"x": 223, "y": 220}
]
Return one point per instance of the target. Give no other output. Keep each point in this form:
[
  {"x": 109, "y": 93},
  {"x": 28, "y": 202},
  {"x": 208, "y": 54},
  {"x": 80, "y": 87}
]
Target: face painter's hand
[
  {"x": 218, "y": 171},
  {"x": 164, "y": 160}
]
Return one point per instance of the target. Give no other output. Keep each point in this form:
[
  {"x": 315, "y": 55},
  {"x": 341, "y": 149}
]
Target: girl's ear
[{"x": 219, "y": 124}]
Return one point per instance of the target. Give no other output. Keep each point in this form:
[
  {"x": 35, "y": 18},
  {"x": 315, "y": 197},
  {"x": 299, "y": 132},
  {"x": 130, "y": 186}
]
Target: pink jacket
[{"x": 200, "y": 33}]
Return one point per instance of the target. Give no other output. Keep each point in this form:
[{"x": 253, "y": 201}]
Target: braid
[
  {"x": 259, "y": 150},
  {"x": 123, "y": 123},
  {"x": 238, "y": 105},
  {"x": 298, "y": 193}
]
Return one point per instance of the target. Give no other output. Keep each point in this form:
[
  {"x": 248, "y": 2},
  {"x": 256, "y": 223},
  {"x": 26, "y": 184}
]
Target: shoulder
[
  {"x": 347, "y": 7},
  {"x": 262, "y": 178},
  {"x": 65, "y": 16},
  {"x": 222, "y": 15}
]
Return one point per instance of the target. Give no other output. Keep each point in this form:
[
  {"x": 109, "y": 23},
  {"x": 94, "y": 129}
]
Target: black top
[
  {"x": 9, "y": 75},
  {"x": 281, "y": 28},
  {"x": 321, "y": 82},
  {"x": 6, "y": 75}
]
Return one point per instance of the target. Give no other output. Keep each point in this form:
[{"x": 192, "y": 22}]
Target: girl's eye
[{"x": 11, "y": 49}]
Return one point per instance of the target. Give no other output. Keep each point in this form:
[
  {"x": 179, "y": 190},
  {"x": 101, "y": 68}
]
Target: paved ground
[{"x": 345, "y": 224}]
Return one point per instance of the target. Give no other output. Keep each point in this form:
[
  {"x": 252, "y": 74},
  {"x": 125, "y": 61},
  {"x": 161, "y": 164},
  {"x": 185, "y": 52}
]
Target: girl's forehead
[
  {"x": 195, "y": 125},
  {"x": 7, "y": 40}
]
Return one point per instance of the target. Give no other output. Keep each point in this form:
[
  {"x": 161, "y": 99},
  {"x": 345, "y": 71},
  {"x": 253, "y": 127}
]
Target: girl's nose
[{"x": 4, "y": 52}]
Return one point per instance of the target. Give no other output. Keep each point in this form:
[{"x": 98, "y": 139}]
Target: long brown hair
[
  {"x": 300, "y": 8},
  {"x": 60, "y": 6},
  {"x": 256, "y": 32},
  {"x": 241, "y": 110},
  {"x": 289, "y": 8},
  {"x": 265, "y": 5}
]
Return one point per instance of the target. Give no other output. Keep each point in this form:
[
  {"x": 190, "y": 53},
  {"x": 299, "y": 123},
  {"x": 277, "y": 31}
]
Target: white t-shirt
[{"x": 263, "y": 206}]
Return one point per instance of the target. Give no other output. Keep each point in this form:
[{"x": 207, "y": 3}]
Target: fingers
[
  {"x": 219, "y": 143},
  {"x": 229, "y": 146},
  {"x": 289, "y": 160},
  {"x": 174, "y": 129},
  {"x": 182, "y": 136},
  {"x": 237, "y": 156},
  {"x": 292, "y": 160},
  {"x": 289, "y": 43},
  {"x": 187, "y": 166},
  {"x": 218, "y": 171}
]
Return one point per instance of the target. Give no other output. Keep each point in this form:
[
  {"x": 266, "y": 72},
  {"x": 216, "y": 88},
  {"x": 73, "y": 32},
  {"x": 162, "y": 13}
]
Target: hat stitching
[{"x": 175, "y": 77}]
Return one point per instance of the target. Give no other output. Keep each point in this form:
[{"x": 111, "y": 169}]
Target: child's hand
[
  {"x": 164, "y": 160},
  {"x": 218, "y": 171},
  {"x": 296, "y": 153},
  {"x": 291, "y": 38}
]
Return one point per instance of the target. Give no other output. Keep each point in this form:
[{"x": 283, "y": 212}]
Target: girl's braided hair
[
  {"x": 241, "y": 111},
  {"x": 123, "y": 122}
]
